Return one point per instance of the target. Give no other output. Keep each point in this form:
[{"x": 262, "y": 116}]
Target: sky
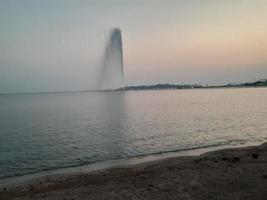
[{"x": 57, "y": 45}]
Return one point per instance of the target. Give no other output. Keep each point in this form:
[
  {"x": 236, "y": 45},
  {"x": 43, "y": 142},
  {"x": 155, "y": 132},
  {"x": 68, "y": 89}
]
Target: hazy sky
[{"x": 56, "y": 45}]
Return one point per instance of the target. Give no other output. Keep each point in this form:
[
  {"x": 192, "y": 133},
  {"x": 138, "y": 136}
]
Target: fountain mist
[{"x": 111, "y": 72}]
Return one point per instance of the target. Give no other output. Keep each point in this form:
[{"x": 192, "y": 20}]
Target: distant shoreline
[
  {"x": 262, "y": 83},
  {"x": 155, "y": 87},
  {"x": 258, "y": 83}
]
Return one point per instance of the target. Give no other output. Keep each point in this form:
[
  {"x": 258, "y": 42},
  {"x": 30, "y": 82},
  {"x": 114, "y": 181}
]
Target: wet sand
[{"x": 224, "y": 174}]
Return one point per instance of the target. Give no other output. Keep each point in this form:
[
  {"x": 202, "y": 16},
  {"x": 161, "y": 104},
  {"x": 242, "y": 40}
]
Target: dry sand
[{"x": 225, "y": 174}]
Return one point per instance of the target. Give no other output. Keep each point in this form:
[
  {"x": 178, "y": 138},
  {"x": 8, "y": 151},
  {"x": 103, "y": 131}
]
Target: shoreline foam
[
  {"x": 126, "y": 162},
  {"x": 222, "y": 161}
]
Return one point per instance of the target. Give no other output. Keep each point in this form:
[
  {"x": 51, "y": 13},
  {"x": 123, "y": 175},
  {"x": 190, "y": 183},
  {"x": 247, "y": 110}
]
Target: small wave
[{"x": 138, "y": 156}]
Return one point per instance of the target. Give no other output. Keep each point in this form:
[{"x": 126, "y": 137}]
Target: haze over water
[
  {"x": 49, "y": 131},
  {"x": 58, "y": 45}
]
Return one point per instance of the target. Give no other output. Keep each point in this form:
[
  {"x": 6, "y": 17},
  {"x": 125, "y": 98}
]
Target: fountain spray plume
[{"x": 111, "y": 72}]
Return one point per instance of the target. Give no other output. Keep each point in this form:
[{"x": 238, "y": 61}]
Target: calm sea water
[{"x": 41, "y": 132}]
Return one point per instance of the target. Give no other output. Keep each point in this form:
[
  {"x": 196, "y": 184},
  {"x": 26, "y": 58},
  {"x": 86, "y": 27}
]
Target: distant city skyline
[{"x": 57, "y": 45}]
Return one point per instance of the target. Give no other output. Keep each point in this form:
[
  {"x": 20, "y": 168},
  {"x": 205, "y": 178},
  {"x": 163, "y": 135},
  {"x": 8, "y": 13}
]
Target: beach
[{"x": 235, "y": 173}]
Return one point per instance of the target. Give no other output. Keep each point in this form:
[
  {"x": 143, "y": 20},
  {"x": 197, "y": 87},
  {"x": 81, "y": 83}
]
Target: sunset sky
[{"x": 56, "y": 45}]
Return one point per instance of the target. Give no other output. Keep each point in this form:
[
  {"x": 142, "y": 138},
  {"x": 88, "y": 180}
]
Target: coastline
[
  {"x": 126, "y": 162},
  {"x": 236, "y": 173},
  {"x": 131, "y": 90}
]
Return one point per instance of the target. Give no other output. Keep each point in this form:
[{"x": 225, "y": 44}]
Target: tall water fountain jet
[{"x": 111, "y": 72}]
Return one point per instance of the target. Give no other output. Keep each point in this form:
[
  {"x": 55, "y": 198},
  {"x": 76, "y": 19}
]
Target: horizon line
[{"x": 202, "y": 86}]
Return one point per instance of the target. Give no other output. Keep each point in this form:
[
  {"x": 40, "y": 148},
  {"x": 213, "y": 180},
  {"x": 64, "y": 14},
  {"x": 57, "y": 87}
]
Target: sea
[{"x": 52, "y": 131}]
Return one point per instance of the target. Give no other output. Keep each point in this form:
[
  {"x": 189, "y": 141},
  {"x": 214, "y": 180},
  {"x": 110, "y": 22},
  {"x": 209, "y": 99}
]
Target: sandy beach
[{"x": 237, "y": 173}]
